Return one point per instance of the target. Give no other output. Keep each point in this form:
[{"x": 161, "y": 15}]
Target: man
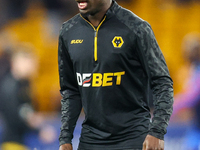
[
  {"x": 15, "y": 99},
  {"x": 108, "y": 61},
  {"x": 187, "y": 102}
]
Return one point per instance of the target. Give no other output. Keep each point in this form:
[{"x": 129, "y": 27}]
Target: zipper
[
  {"x": 95, "y": 44},
  {"x": 95, "y": 36}
]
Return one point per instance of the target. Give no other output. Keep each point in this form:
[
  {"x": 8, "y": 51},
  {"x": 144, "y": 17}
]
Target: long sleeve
[
  {"x": 71, "y": 102},
  {"x": 159, "y": 79}
]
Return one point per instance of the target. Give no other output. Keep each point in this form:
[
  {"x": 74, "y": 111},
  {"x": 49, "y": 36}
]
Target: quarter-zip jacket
[{"x": 109, "y": 71}]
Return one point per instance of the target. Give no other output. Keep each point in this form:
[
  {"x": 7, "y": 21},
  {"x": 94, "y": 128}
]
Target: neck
[{"x": 97, "y": 17}]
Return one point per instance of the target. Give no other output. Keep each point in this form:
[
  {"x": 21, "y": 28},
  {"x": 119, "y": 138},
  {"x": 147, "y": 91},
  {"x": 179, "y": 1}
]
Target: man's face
[{"x": 91, "y": 7}]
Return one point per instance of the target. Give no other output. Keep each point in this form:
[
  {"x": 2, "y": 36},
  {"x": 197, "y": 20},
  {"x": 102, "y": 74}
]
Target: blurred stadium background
[{"x": 36, "y": 23}]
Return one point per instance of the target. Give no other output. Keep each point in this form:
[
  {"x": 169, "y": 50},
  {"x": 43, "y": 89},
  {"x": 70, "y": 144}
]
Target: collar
[{"x": 113, "y": 9}]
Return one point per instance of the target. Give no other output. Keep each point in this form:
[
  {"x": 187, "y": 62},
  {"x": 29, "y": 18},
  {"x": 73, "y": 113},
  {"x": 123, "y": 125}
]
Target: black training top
[{"x": 108, "y": 71}]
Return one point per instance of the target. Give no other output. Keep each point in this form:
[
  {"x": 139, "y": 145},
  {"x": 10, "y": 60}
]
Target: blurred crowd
[
  {"x": 13, "y": 9},
  {"x": 28, "y": 58}
]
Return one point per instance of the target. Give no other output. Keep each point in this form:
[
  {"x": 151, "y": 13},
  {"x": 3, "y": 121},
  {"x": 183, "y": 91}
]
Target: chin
[{"x": 84, "y": 12}]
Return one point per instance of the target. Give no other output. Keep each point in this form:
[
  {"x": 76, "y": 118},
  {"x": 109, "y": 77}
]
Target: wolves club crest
[{"x": 117, "y": 42}]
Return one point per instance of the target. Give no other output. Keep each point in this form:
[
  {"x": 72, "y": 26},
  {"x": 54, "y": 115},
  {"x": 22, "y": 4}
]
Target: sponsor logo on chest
[{"x": 99, "y": 79}]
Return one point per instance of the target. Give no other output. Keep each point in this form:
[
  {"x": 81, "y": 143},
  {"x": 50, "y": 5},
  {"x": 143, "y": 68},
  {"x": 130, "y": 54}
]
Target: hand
[
  {"x": 66, "y": 147},
  {"x": 153, "y": 143}
]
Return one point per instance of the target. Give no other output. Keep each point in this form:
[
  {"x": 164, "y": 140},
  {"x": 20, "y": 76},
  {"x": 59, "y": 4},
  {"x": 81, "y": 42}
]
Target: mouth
[{"x": 82, "y": 4}]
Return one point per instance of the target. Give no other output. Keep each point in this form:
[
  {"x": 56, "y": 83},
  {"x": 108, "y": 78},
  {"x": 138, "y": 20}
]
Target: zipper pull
[{"x": 95, "y": 33}]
